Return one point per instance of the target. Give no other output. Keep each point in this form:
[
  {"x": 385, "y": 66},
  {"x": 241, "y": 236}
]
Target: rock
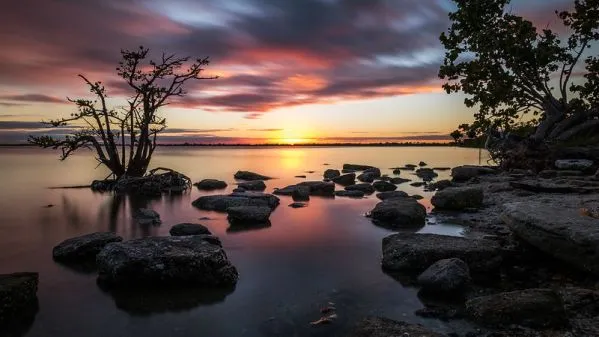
[
  {"x": 398, "y": 213},
  {"x": 183, "y": 229},
  {"x": 195, "y": 260},
  {"x": 253, "y": 185},
  {"x": 458, "y": 198},
  {"x": 301, "y": 193},
  {"x": 439, "y": 185},
  {"x": 398, "y": 181},
  {"x": 597, "y": 174},
  {"x": 210, "y": 184},
  {"x": 330, "y": 174},
  {"x": 534, "y": 308},
  {"x": 418, "y": 184},
  {"x": 319, "y": 187},
  {"x": 351, "y": 194},
  {"x": 348, "y": 171},
  {"x": 287, "y": 190},
  {"x": 466, "y": 172},
  {"x": 384, "y": 178},
  {"x": 298, "y": 204},
  {"x": 346, "y": 179},
  {"x": 445, "y": 276},
  {"x": 417, "y": 197},
  {"x": 384, "y": 327},
  {"x": 222, "y": 202},
  {"x": 573, "y": 164},
  {"x": 373, "y": 170},
  {"x": 247, "y": 175},
  {"x": 383, "y": 186},
  {"x": 356, "y": 167},
  {"x": 397, "y": 171},
  {"x": 426, "y": 174},
  {"x": 391, "y": 195},
  {"x": 83, "y": 248},
  {"x": 367, "y": 177},
  {"x": 146, "y": 216},
  {"x": 441, "y": 168},
  {"x": 18, "y": 296},
  {"x": 416, "y": 252},
  {"x": 248, "y": 214},
  {"x": 548, "y": 174},
  {"x": 300, "y": 176},
  {"x": 422, "y": 164},
  {"x": 239, "y": 190},
  {"x": 562, "y": 233},
  {"x": 540, "y": 186},
  {"x": 363, "y": 187}
]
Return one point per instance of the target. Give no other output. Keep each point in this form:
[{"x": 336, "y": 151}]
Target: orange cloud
[{"x": 305, "y": 82}]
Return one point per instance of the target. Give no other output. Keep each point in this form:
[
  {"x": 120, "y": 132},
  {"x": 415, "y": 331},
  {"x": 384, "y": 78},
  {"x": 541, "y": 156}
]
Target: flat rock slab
[
  {"x": 248, "y": 175},
  {"x": 320, "y": 188},
  {"x": 573, "y": 164},
  {"x": 248, "y": 214},
  {"x": 534, "y": 308},
  {"x": 222, "y": 202},
  {"x": 254, "y": 185},
  {"x": 563, "y": 233},
  {"x": 84, "y": 247},
  {"x": 399, "y": 213},
  {"x": 210, "y": 184},
  {"x": 391, "y": 195},
  {"x": 196, "y": 260},
  {"x": 466, "y": 172},
  {"x": 385, "y": 327},
  {"x": 350, "y": 194},
  {"x": 458, "y": 198},
  {"x": 416, "y": 252},
  {"x": 365, "y": 188},
  {"x": 547, "y": 186},
  {"x": 345, "y": 179},
  {"x": 183, "y": 229},
  {"x": 18, "y": 293}
]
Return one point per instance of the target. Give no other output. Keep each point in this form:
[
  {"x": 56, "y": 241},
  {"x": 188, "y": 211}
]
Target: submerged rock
[
  {"x": 254, "y": 185},
  {"x": 363, "y": 187},
  {"x": 398, "y": 213},
  {"x": 458, "y": 198},
  {"x": 398, "y": 180},
  {"x": 422, "y": 164},
  {"x": 383, "y": 186},
  {"x": 18, "y": 296},
  {"x": 445, "y": 276},
  {"x": 146, "y": 216},
  {"x": 247, "y": 175},
  {"x": 356, "y": 167},
  {"x": 331, "y": 173},
  {"x": 183, "y": 229},
  {"x": 385, "y": 327},
  {"x": 391, "y": 194},
  {"x": 350, "y": 193},
  {"x": 573, "y": 164},
  {"x": 319, "y": 187},
  {"x": 418, "y": 184},
  {"x": 196, "y": 260},
  {"x": 84, "y": 247},
  {"x": 346, "y": 179},
  {"x": 248, "y": 214},
  {"x": 426, "y": 174},
  {"x": 210, "y": 184},
  {"x": 534, "y": 308},
  {"x": 298, "y": 205},
  {"x": 466, "y": 172},
  {"x": 222, "y": 202}
]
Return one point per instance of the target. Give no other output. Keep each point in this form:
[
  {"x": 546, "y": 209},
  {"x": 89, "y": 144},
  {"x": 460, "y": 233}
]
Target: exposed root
[{"x": 153, "y": 183}]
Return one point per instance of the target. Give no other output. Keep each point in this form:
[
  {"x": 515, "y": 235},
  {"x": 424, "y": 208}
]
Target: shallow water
[{"x": 326, "y": 252}]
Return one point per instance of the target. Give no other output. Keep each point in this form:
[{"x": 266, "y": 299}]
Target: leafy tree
[
  {"x": 517, "y": 75},
  {"x": 124, "y": 138},
  {"x": 457, "y": 136}
]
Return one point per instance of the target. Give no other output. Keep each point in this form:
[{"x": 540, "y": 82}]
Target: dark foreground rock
[
  {"x": 18, "y": 297},
  {"x": 247, "y": 175},
  {"x": 331, "y": 173},
  {"x": 363, "y": 187},
  {"x": 466, "y": 172},
  {"x": 345, "y": 179},
  {"x": 563, "y": 233},
  {"x": 248, "y": 214},
  {"x": 398, "y": 213},
  {"x": 534, "y": 308},
  {"x": 196, "y": 260},
  {"x": 222, "y": 202},
  {"x": 458, "y": 198},
  {"x": 573, "y": 164},
  {"x": 447, "y": 276},
  {"x": 416, "y": 252},
  {"x": 391, "y": 195},
  {"x": 183, "y": 229},
  {"x": 383, "y": 186},
  {"x": 385, "y": 327},
  {"x": 350, "y": 194},
  {"x": 210, "y": 184},
  {"x": 254, "y": 185},
  {"x": 83, "y": 248},
  {"x": 548, "y": 186}
]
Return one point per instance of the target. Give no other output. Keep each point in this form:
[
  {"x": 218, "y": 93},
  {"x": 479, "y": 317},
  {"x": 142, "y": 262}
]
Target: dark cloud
[
  {"x": 34, "y": 98},
  {"x": 8, "y": 125}
]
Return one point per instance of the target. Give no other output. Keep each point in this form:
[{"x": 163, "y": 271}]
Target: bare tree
[{"x": 124, "y": 138}]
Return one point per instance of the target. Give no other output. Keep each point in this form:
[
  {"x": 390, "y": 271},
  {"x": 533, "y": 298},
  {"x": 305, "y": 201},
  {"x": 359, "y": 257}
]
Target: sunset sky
[{"x": 291, "y": 71}]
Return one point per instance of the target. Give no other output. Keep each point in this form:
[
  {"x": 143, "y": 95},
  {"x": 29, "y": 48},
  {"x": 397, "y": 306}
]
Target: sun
[{"x": 291, "y": 141}]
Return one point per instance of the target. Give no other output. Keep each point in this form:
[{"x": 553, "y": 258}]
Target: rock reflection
[{"x": 239, "y": 228}]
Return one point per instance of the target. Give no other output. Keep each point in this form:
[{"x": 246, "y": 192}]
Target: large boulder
[
  {"x": 222, "y": 202},
  {"x": 331, "y": 173},
  {"x": 560, "y": 232},
  {"x": 253, "y": 185},
  {"x": 210, "y": 184},
  {"x": 534, "y": 308},
  {"x": 383, "y": 186},
  {"x": 448, "y": 276},
  {"x": 248, "y": 214},
  {"x": 356, "y": 167},
  {"x": 146, "y": 216},
  {"x": 466, "y": 172},
  {"x": 319, "y": 187},
  {"x": 84, "y": 247},
  {"x": 416, "y": 252},
  {"x": 391, "y": 195},
  {"x": 183, "y": 229},
  {"x": 350, "y": 194},
  {"x": 18, "y": 296},
  {"x": 346, "y": 179},
  {"x": 458, "y": 198},
  {"x": 385, "y": 327},
  {"x": 247, "y": 175},
  {"x": 362, "y": 187},
  {"x": 196, "y": 260},
  {"x": 573, "y": 164},
  {"x": 399, "y": 213}
]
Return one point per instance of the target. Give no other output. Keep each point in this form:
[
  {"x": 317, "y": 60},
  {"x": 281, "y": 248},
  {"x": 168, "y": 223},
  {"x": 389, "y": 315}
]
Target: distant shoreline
[{"x": 289, "y": 145}]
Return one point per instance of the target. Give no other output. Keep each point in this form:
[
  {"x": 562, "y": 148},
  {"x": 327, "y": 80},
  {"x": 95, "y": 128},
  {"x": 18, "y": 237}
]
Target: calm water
[{"x": 325, "y": 252}]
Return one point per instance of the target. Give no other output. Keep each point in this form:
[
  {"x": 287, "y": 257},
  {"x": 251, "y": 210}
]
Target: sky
[{"x": 290, "y": 71}]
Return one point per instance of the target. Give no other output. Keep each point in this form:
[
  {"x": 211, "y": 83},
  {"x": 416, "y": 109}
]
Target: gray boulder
[
  {"x": 222, "y": 202},
  {"x": 183, "y": 229},
  {"x": 362, "y": 187},
  {"x": 560, "y": 232},
  {"x": 445, "y": 276},
  {"x": 253, "y": 185},
  {"x": 210, "y": 184},
  {"x": 18, "y": 296},
  {"x": 319, "y": 187},
  {"x": 391, "y": 195},
  {"x": 384, "y": 186},
  {"x": 84, "y": 247},
  {"x": 247, "y": 175},
  {"x": 385, "y": 327},
  {"x": 573, "y": 164},
  {"x": 146, "y": 216},
  {"x": 330, "y": 174},
  {"x": 356, "y": 167},
  {"x": 399, "y": 213},
  {"x": 248, "y": 214},
  {"x": 416, "y": 252},
  {"x": 196, "y": 260},
  {"x": 458, "y": 198},
  {"x": 301, "y": 193},
  {"x": 466, "y": 172},
  {"x": 350, "y": 194},
  {"x": 345, "y": 179},
  {"x": 534, "y": 308}
]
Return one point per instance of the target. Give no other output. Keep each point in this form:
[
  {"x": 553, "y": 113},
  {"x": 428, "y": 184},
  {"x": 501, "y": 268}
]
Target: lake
[{"x": 326, "y": 252}]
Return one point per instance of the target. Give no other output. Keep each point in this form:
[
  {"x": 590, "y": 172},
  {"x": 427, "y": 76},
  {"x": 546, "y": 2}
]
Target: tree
[
  {"x": 457, "y": 136},
  {"x": 124, "y": 138},
  {"x": 517, "y": 75}
]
